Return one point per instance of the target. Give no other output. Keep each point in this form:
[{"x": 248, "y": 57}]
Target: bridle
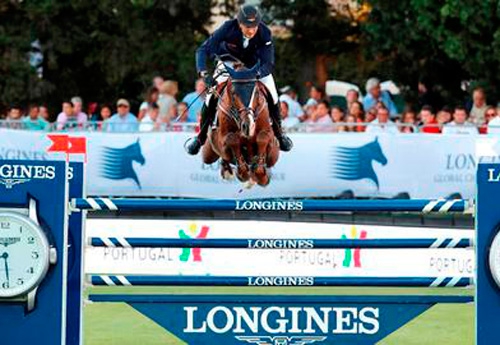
[{"x": 234, "y": 113}]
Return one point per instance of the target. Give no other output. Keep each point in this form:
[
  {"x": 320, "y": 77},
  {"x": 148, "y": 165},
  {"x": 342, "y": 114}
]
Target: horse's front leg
[
  {"x": 263, "y": 140},
  {"x": 226, "y": 171},
  {"x": 233, "y": 141}
]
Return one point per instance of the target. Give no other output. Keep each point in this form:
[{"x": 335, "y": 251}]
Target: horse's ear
[
  {"x": 376, "y": 139},
  {"x": 138, "y": 139}
]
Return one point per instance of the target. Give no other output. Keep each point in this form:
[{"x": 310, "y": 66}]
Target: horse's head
[
  {"x": 243, "y": 88},
  {"x": 376, "y": 152},
  {"x": 135, "y": 153}
]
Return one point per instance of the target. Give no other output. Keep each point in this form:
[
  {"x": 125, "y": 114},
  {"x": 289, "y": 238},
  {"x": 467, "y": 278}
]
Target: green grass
[{"x": 119, "y": 324}]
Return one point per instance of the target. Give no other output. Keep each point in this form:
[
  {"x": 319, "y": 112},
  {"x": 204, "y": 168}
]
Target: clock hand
[{"x": 5, "y": 256}]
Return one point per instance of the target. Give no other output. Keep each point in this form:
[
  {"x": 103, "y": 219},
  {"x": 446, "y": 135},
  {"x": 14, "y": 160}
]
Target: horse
[{"x": 243, "y": 135}]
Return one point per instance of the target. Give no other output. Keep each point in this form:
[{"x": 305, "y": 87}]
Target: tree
[
  {"x": 318, "y": 33},
  {"x": 98, "y": 49},
  {"x": 446, "y": 41},
  {"x": 14, "y": 49}
]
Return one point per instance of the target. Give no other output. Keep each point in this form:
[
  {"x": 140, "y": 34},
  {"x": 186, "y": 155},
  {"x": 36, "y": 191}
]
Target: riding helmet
[{"x": 249, "y": 16}]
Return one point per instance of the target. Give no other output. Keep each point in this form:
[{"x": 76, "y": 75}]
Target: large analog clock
[{"x": 25, "y": 254}]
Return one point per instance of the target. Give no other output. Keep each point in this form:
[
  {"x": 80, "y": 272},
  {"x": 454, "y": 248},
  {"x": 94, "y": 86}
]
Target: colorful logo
[
  {"x": 117, "y": 164},
  {"x": 351, "y": 255},
  {"x": 355, "y": 163},
  {"x": 193, "y": 232}
]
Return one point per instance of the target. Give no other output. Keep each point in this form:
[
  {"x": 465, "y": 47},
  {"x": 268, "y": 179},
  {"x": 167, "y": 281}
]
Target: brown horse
[{"x": 243, "y": 135}]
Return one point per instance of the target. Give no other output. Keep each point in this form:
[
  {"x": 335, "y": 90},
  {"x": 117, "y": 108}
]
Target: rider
[{"x": 248, "y": 39}]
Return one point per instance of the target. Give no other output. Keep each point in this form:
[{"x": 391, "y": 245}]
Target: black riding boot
[
  {"x": 285, "y": 142},
  {"x": 207, "y": 118}
]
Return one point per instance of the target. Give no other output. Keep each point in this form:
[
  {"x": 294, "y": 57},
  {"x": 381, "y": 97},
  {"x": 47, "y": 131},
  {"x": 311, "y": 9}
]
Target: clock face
[
  {"x": 494, "y": 259},
  {"x": 24, "y": 254}
]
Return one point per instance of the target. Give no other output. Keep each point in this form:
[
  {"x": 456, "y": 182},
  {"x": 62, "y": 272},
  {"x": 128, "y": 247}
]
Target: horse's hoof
[
  {"x": 249, "y": 184},
  {"x": 264, "y": 181},
  {"x": 243, "y": 173},
  {"x": 228, "y": 175},
  {"x": 243, "y": 177}
]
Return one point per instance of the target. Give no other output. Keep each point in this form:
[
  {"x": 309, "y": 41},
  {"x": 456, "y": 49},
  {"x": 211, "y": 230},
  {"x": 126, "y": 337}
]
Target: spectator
[
  {"x": 167, "y": 100},
  {"x": 105, "y": 112},
  {"x": 493, "y": 121},
  {"x": 337, "y": 115},
  {"x": 429, "y": 122},
  {"x": 478, "y": 106},
  {"x": 308, "y": 111},
  {"x": 14, "y": 117},
  {"x": 123, "y": 120},
  {"x": 444, "y": 116},
  {"x": 68, "y": 119},
  {"x": 356, "y": 110},
  {"x": 152, "y": 96},
  {"x": 290, "y": 97},
  {"x": 320, "y": 121},
  {"x": 382, "y": 124},
  {"x": 158, "y": 82},
  {"x": 351, "y": 97},
  {"x": 44, "y": 113},
  {"x": 408, "y": 121},
  {"x": 182, "y": 112},
  {"x": 375, "y": 94},
  {"x": 371, "y": 115},
  {"x": 77, "y": 107},
  {"x": 92, "y": 112},
  {"x": 149, "y": 122},
  {"x": 180, "y": 116},
  {"x": 288, "y": 121},
  {"x": 316, "y": 95},
  {"x": 33, "y": 121},
  {"x": 351, "y": 124},
  {"x": 460, "y": 124},
  {"x": 104, "y": 115},
  {"x": 194, "y": 101}
]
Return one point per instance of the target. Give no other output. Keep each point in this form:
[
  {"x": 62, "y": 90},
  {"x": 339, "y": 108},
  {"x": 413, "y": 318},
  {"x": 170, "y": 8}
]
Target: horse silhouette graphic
[
  {"x": 355, "y": 163},
  {"x": 117, "y": 163}
]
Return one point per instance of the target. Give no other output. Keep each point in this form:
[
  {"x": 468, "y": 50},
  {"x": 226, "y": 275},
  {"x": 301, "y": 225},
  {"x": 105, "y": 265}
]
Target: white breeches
[{"x": 221, "y": 76}]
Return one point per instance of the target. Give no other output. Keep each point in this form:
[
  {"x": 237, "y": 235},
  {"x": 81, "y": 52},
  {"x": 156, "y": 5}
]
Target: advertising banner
[{"x": 327, "y": 164}]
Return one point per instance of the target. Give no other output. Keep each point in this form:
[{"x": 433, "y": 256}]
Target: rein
[{"x": 232, "y": 112}]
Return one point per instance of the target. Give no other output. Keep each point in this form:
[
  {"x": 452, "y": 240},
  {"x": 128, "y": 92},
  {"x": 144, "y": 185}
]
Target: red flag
[
  {"x": 77, "y": 145},
  {"x": 60, "y": 143},
  {"x": 67, "y": 144}
]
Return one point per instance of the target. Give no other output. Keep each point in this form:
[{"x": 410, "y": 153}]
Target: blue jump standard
[
  {"x": 283, "y": 281},
  {"x": 388, "y": 243},
  {"x": 274, "y": 205}
]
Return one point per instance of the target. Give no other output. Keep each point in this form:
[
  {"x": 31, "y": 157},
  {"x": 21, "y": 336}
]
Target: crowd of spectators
[{"x": 375, "y": 112}]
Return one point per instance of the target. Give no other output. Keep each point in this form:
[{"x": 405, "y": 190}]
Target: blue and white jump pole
[{"x": 282, "y": 243}]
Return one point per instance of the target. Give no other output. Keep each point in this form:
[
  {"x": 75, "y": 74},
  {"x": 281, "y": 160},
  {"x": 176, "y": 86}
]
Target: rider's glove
[{"x": 207, "y": 78}]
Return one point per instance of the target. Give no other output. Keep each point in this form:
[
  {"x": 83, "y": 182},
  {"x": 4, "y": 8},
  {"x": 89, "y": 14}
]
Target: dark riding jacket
[{"x": 229, "y": 39}]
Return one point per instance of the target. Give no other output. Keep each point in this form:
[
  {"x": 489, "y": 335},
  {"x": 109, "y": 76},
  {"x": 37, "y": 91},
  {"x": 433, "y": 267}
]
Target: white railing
[{"x": 102, "y": 126}]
